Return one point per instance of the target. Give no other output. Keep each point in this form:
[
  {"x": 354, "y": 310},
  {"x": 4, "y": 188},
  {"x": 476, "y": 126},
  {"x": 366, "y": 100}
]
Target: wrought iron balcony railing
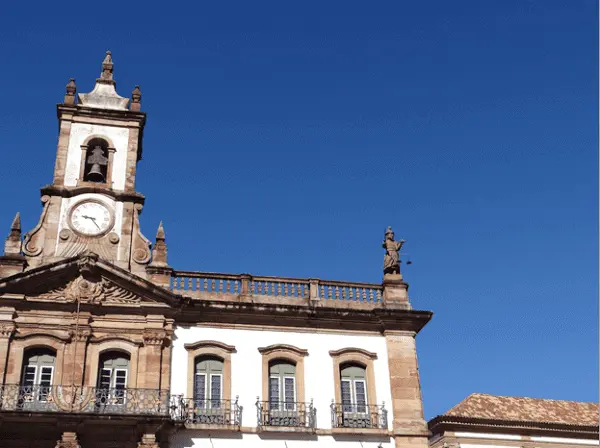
[
  {"x": 88, "y": 400},
  {"x": 348, "y": 415},
  {"x": 288, "y": 413},
  {"x": 206, "y": 412}
]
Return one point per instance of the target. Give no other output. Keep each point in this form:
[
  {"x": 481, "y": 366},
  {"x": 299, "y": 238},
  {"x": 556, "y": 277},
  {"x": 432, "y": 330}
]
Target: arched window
[
  {"x": 208, "y": 382},
  {"x": 37, "y": 374},
  {"x": 96, "y": 161},
  {"x": 353, "y": 382},
  {"x": 282, "y": 385},
  {"x": 113, "y": 372}
]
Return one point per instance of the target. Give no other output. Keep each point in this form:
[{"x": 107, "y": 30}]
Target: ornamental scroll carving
[
  {"x": 154, "y": 337},
  {"x": 33, "y": 243},
  {"x": 93, "y": 292},
  {"x": 141, "y": 253}
]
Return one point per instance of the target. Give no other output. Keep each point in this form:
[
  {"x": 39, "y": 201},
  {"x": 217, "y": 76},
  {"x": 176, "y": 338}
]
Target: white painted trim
[
  {"x": 480, "y": 435},
  {"x": 565, "y": 440}
]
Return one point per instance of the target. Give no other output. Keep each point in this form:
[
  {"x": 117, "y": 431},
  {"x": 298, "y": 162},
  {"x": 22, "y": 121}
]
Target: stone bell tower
[{"x": 92, "y": 203}]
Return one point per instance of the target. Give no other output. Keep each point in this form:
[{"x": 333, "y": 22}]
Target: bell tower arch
[{"x": 91, "y": 203}]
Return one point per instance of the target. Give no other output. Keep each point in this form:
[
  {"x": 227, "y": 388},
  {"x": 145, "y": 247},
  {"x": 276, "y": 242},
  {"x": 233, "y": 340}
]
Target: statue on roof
[{"x": 391, "y": 259}]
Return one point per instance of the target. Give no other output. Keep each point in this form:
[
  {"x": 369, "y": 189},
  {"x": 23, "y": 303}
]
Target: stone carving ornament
[
  {"x": 31, "y": 246},
  {"x": 93, "y": 292}
]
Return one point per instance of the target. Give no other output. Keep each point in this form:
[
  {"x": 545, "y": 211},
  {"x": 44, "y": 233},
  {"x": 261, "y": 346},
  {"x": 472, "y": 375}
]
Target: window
[
  {"x": 282, "y": 385},
  {"x": 353, "y": 383},
  {"x": 38, "y": 372},
  {"x": 208, "y": 382},
  {"x": 112, "y": 378}
]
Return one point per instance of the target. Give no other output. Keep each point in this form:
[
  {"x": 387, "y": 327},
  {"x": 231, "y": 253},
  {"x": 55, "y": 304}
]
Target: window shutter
[
  {"x": 29, "y": 376},
  {"x": 200, "y": 390},
  {"x": 346, "y": 396},
  {"x": 104, "y": 378},
  {"x": 361, "y": 396},
  {"x": 274, "y": 392},
  {"x": 290, "y": 393},
  {"x": 215, "y": 391}
]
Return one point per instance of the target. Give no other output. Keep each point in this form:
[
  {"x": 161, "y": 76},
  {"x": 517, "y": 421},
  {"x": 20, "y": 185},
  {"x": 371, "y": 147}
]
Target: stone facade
[{"x": 104, "y": 344}]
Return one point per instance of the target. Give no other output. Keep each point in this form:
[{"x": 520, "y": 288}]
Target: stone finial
[
  {"x": 70, "y": 94},
  {"x": 13, "y": 241},
  {"x": 160, "y": 233},
  {"x": 104, "y": 95},
  {"x": 391, "y": 259},
  {"x": 107, "y": 68},
  {"x": 159, "y": 251},
  {"x": 136, "y": 99}
]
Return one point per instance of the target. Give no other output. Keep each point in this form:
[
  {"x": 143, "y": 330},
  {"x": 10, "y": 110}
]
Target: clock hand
[{"x": 95, "y": 223}]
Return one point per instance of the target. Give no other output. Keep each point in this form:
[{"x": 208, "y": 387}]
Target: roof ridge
[{"x": 527, "y": 398}]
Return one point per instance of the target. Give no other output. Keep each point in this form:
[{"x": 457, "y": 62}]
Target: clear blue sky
[{"x": 282, "y": 139}]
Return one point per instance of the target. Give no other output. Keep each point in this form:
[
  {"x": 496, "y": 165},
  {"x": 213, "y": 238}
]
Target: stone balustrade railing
[{"x": 199, "y": 284}]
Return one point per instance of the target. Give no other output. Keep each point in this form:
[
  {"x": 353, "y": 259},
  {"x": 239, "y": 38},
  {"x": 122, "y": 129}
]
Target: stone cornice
[
  {"x": 282, "y": 347},
  {"x": 373, "y": 320},
  {"x": 443, "y": 423},
  {"x": 353, "y": 350},
  {"x": 211, "y": 344},
  {"x": 128, "y": 115},
  {"x": 68, "y": 192}
]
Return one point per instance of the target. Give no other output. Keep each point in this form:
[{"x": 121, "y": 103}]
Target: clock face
[{"x": 91, "y": 218}]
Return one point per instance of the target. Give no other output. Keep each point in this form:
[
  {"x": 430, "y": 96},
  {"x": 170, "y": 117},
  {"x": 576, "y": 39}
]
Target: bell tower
[{"x": 92, "y": 203}]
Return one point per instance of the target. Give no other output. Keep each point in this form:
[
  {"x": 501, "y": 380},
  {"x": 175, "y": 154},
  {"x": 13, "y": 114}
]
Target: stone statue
[{"x": 391, "y": 260}]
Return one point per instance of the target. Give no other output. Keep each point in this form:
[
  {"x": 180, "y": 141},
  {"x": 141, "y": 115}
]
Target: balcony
[
  {"x": 286, "y": 416},
  {"x": 200, "y": 413},
  {"x": 359, "y": 416},
  {"x": 84, "y": 400}
]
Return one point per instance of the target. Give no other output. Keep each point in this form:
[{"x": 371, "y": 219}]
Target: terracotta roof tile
[{"x": 526, "y": 409}]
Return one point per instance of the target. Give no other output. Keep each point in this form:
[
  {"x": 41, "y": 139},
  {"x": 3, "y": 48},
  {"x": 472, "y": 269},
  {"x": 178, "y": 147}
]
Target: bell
[{"x": 95, "y": 173}]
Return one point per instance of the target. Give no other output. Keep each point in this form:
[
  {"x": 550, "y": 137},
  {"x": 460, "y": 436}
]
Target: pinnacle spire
[
  {"x": 16, "y": 224},
  {"x": 107, "y": 69},
  {"x": 160, "y": 233},
  {"x": 13, "y": 241},
  {"x": 159, "y": 251}
]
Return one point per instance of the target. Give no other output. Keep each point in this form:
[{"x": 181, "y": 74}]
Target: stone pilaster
[
  {"x": 409, "y": 426},
  {"x": 150, "y": 369},
  {"x": 395, "y": 291},
  {"x": 7, "y": 328},
  {"x": 68, "y": 440},
  {"x": 148, "y": 441},
  {"x": 75, "y": 353}
]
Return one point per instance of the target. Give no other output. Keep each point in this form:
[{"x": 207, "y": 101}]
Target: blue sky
[{"x": 283, "y": 138}]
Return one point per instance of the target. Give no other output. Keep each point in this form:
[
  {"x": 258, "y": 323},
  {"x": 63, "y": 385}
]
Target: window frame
[
  {"x": 212, "y": 349},
  {"x": 360, "y": 357},
  {"x": 292, "y": 355}
]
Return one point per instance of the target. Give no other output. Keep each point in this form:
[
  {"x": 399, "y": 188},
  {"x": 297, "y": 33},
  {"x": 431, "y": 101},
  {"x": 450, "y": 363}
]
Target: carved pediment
[
  {"x": 101, "y": 291},
  {"x": 86, "y": 279}
]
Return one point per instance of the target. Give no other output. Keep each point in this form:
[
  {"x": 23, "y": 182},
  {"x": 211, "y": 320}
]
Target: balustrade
[
  {"x": 286, "y": 413},
  {"x": 352, "y": 415},
  {"x": 87, "y": 400},
  {"x": 206, "y": 412},
  {"x": 196, "y": 284}
]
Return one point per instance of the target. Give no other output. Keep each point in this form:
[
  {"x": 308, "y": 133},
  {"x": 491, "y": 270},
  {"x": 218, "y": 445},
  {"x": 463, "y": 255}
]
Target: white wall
[
  {"x": 246, "y": 370},
  {"x": 79, "y": 132},
  {"x": 191, "y": 438}
]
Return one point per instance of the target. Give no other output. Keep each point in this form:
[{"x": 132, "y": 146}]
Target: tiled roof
[{"x": 493, "y": 407}]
